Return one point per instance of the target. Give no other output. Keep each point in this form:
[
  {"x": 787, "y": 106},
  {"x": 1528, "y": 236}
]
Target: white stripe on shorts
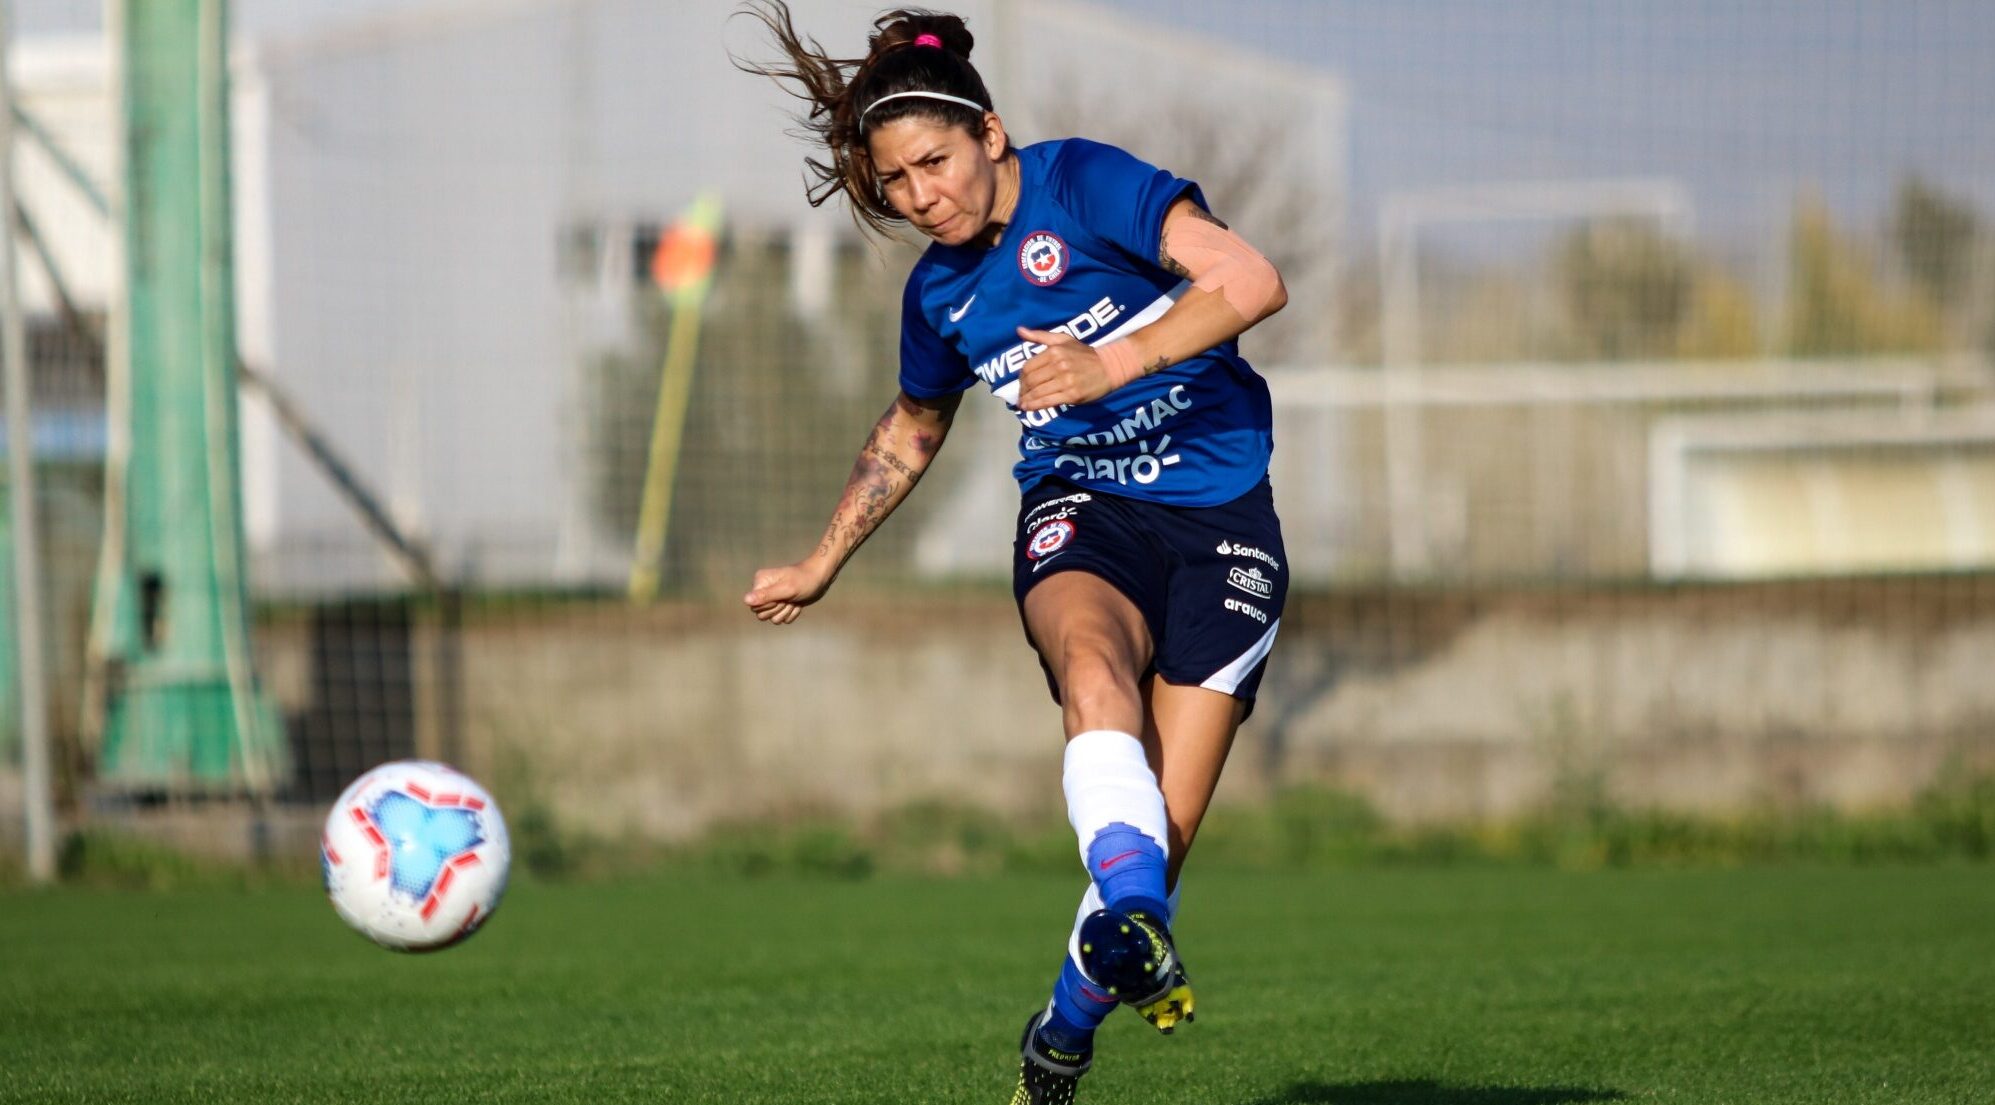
[{"x": 1227, "y": 679}]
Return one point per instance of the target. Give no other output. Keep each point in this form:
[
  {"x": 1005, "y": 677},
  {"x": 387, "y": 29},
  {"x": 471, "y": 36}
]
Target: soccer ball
[{"x": 415, "y": 855}]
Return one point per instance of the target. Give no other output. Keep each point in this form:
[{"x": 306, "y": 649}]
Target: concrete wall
[
  {"x": 1849, "y": 693},
  {"x": 1443, "y": 705}
]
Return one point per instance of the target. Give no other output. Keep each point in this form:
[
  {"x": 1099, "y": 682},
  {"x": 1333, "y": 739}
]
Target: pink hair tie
[{"x": 928, "y": 40}]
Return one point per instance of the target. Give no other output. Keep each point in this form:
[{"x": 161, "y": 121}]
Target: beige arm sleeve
[{"x": 1221, "y": 262}]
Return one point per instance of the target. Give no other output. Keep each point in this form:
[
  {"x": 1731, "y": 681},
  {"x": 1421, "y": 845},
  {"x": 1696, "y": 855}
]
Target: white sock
[
  {"x": 1119, "y": 819},
  {"x": 1107, "y": 779}
]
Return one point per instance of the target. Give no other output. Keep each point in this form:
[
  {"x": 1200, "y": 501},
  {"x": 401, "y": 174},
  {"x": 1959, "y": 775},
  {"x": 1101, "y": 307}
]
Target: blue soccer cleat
[{"x": 1132, "y": 957}]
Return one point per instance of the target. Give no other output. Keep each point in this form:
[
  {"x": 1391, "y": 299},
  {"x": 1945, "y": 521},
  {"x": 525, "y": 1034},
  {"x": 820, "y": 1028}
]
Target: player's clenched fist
[
  {"x": 1068, "y": 370},
  {"x": 778, "y": 595}
]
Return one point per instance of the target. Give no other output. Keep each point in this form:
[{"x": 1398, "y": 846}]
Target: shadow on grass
[{"x": 1423, "y": 1091}]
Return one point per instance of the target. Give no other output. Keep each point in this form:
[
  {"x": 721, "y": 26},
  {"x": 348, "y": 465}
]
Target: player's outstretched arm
[
  {"x": 896, "y": 453},
  {"x": 1233, "y": 288}
]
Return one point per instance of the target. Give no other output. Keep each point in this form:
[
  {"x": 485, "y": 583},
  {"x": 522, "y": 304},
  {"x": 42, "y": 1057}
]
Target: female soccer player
[{"x": 1100, "y": 301}]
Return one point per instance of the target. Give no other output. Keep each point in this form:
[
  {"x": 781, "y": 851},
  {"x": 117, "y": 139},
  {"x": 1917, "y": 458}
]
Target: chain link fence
[{"x": 1628, "y": 351}]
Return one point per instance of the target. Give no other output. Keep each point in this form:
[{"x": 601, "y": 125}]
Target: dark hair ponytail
[{"x": 839, "y": 91}]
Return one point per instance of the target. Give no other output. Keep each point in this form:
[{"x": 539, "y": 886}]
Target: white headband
[{"x": 971, "y": 104}]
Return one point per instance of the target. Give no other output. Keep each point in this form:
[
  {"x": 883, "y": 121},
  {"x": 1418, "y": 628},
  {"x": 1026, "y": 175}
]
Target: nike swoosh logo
[
  {"x": 1113, "y": 860},
  {"x": 957, "y": 315}
]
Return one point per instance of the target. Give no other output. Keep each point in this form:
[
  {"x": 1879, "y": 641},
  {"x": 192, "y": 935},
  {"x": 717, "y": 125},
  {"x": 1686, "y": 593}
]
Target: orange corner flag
[{"x": 684, "y": 258}]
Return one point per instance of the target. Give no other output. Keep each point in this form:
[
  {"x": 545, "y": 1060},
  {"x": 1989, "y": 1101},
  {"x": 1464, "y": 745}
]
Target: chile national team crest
[
  {"x": 1049, "y": 539},
  {"x": 1043, "y": 258}
]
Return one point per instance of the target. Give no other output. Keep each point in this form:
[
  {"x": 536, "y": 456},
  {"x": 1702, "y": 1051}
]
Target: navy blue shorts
[{"x": 1210, "y": 581}]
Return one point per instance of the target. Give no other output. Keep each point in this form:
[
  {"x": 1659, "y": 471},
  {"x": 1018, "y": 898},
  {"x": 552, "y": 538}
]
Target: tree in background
[
  {"x": 1837, "y": 306},
  {"x": 1621, "y": 288},
  {"x": 1722, "y": 321},
  {"x": 1481, "y": 313},
  {"x": 1941, "y": 245},
  {"x": 1612, "y": 290},
  {"x": 1936, "y": 235},
  {"x": 1626, "y": 287}
]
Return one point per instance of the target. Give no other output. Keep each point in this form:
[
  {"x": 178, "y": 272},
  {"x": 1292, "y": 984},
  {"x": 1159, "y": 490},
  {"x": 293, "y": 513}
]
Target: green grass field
[{"x": 1425, "y": 987}]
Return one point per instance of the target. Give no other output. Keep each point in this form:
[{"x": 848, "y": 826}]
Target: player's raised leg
[
  {"x": 1096, "y": 646},
  {"x": 1127, "y": 954}
]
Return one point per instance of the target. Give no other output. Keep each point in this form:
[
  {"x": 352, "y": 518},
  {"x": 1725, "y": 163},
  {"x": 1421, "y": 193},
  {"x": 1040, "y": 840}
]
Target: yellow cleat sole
[{"x": 1166, "y": 1012}]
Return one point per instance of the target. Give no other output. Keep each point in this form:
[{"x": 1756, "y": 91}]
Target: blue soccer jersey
[{"x": 1080, "y": 257}]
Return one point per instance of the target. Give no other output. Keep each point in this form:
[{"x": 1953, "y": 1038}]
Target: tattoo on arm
[
  {"x": 1171, "y": 264},
  {"x": 1197, "y": 212},
  {"x": 874, "y": 485},
  {"x": 943, "y": 410},
  {"x": 868, "y": 491},
  {"x": 886, "y": 456},
  {"x": 927, "y": 442},
  {"x": 871, "y": 495}
]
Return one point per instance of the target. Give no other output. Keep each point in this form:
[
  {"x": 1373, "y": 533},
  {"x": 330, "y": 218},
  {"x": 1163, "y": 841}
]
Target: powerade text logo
[
  {"x": 1076, "y": 497},
  {"x": 1007, "y": 364}
]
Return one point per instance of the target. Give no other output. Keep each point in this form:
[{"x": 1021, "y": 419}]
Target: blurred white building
[{"x": 61, "y": 82}]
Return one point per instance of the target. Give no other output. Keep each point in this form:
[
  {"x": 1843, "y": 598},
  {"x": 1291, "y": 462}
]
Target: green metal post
[{"x": 181, "y": 708}]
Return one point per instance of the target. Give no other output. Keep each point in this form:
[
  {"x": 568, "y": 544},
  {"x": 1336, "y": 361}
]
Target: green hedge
[
  {"x": 1299, "y": 829},
  {"x": 1311, "y": 828}
]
